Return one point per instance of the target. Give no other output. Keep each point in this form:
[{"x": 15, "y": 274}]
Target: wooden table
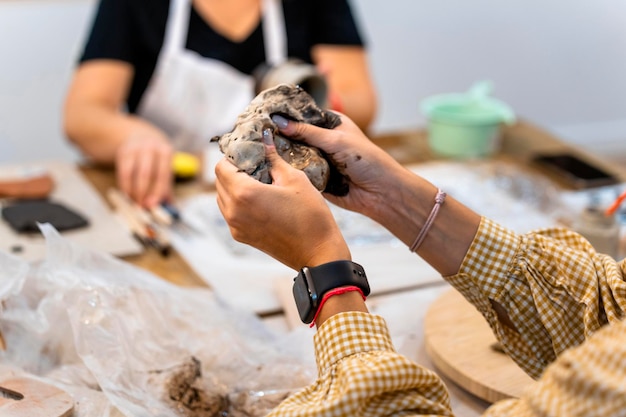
[
  {"x": 172, "y": 268},
  {"x": 519, "y": 142}
]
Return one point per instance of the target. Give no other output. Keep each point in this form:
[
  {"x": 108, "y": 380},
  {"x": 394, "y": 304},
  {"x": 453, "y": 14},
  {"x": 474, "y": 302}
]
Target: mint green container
[{"x": 466, "y": 125}]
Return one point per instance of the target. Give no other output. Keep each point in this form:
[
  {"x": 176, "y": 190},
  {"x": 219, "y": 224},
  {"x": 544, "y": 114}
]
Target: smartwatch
[{"x": 311, "y": 283}]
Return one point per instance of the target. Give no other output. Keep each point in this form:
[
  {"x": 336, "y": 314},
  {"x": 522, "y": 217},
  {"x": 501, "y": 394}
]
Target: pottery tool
[
  {"x": 140, "y": 222},
  {"x": 177, "y": 222},
  {"x": 615, "y": 205}
]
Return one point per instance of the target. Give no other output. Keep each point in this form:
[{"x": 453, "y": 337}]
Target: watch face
[{"x": 303, "y": 299}]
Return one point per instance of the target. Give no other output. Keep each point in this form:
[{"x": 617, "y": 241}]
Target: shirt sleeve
[
  {"x": 110, "y": 36},
  {"x": 360, "y": 374},
  {"x": 336, "y": 24},
  {"x": 558, "y": 292},
  {"x": 556, "y": 289},
  {"x": 587, "y": 381}
]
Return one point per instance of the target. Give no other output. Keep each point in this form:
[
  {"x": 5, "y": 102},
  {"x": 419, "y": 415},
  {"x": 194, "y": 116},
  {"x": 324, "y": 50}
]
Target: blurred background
[{"x": 560, "y": 64}]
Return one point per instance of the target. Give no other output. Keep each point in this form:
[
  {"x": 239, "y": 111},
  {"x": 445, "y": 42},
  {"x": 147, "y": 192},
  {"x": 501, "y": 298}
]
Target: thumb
[
  {"x": 278, "y": 166},
  {"x": 303, "y": 132}
]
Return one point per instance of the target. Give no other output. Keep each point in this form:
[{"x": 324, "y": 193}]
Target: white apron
[{"x": 193, "y": 98}]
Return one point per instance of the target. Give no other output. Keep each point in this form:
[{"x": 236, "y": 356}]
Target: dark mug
[{"x": 296, "y": 72}]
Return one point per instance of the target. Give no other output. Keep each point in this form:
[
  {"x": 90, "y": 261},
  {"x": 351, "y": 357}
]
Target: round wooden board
[
  {"x": 459, "y": 342},
  {"x": 26, "y": 397}
]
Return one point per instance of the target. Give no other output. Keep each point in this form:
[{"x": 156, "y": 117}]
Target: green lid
[{"x": 473, "y": 107}]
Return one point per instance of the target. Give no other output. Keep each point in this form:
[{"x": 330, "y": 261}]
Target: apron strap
[
  {"x": 177, "y": 26},
  {"x": 274, "y": 32}
]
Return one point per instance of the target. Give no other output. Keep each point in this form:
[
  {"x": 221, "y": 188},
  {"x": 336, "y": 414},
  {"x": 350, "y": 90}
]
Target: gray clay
[{"x": 244, "y": 145}]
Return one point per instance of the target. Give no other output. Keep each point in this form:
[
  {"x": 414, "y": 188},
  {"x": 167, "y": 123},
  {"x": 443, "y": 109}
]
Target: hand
[
  {"x": 390, "y": 194},
  {"x": 144, "y": 169},
  {"x": 371, "y": 172},
  {"x": 288, "y": 219}
]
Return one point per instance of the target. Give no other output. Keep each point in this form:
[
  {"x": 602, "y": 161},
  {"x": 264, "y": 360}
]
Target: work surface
[
  {"x": 505, "y": 187},
  {"x": 404, "y": 289},
  {"x": 519, "y": 143}
]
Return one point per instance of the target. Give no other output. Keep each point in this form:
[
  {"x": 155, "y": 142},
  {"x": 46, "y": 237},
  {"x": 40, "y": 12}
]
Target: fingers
[
  {"x": 240, "y": 200},
  {"x": 312, "y": 135},
  {"x": 347, "y": 134},
  {"x": 270, "y": 216},
  {"x": 144, "y": 171},
  {"x": 278, "y": 166},
  {"x": 124, "y": 167},
  {"x": 161, "y": 187},
  {"x": 228, "y": 179}
]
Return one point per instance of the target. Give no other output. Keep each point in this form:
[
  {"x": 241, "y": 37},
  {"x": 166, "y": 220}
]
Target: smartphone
[{"x": 575, "y": 171}]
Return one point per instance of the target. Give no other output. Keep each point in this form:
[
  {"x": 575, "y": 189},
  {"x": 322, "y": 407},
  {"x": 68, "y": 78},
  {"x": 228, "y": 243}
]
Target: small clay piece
[
  {"x": 243, "y": 146},
  {"x": 188, "y": 392},
  {"x": 32, "y": 187},
  {"x": 191, "y": 394}
]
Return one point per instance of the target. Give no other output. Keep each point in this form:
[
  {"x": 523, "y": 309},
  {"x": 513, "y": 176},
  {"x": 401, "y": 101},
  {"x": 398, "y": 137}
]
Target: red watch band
[{"x": 336, "y": 291}]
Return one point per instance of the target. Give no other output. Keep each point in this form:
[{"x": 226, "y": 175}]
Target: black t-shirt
[{"x": 133, "y": 31}]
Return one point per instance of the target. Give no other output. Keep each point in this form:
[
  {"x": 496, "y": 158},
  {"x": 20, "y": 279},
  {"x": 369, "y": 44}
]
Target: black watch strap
[
  {"x": 338, "y": 274},
  {"x": 310, "y": 285}
]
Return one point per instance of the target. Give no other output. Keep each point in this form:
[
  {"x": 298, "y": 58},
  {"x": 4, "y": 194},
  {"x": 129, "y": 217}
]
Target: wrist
[
  {"x": 404, "y": 205},
  {"x": 332, "y": 249},
  {"x": 408, "y": 205},
  {"x": 351, "y": 300},
  {"x": 314, "y": 285}
]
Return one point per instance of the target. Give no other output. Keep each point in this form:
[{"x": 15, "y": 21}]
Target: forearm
[
  {"x": 359, "y": 105},
  {"x": 99, "y": 131},
  {"x": 403, "y": 209},
  {"x": 351, "y": 90}
]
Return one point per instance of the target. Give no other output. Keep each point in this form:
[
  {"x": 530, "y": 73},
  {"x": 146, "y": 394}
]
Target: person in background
[
  {"x": 554, "y": 303},
  {"x": 158, "y": 76}
]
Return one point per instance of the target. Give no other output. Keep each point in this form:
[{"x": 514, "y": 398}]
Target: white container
[
  {"x": 602, "y": 231},
  {"x": 466, "y": 125}
]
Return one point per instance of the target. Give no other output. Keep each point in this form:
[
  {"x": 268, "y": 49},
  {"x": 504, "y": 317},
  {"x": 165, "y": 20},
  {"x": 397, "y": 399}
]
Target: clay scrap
[{"x": 191, "y": 394}]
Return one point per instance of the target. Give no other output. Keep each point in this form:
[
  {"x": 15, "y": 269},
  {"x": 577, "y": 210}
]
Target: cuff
[
  {"x": 482, "y": 275},
  {"x": 349, "y": 333}
]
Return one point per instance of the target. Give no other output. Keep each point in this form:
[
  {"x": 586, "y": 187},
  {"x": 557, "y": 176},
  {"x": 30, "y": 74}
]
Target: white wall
[
  {"x": 559, "y": 63},
  {"x": 39, "y": 43}
]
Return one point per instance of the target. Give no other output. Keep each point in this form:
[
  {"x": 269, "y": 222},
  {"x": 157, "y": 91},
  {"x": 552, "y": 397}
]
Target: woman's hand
[
  {"x": 372, "y": 173},
  {"x": 144, "y": 169},
  {"x": 288, "y": 219},
  {"x": 94, "y": 121}
]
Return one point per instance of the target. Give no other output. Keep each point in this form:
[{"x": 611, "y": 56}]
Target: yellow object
[{"x": 185, "y": 165}]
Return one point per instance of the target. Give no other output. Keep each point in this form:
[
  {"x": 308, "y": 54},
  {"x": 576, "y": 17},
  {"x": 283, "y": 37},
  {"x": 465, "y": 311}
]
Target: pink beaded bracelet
[{"x": 439, "y": 199}]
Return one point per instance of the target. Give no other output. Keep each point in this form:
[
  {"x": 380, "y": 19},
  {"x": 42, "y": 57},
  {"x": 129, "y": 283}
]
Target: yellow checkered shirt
[{"x": 558, "y": 292}]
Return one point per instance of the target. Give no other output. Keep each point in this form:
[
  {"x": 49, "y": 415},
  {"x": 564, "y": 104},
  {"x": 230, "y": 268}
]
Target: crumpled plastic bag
[{"x": 124, "y": 342}]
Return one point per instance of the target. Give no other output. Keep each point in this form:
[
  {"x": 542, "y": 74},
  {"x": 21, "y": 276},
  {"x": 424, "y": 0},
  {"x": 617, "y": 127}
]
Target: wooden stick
[{"x": 140, "y": 222}]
